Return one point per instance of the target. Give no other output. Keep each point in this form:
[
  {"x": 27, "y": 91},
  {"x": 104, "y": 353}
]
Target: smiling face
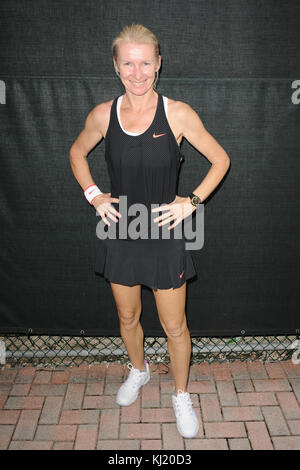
[{"x": 137, "y": 64}]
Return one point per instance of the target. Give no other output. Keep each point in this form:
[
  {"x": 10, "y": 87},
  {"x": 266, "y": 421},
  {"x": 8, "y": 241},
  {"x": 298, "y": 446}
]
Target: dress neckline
[{"x": 135, "y": 134}]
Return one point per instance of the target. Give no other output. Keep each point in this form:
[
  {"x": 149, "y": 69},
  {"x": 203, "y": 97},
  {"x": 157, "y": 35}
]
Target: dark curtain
[{"x": 237, "y": 64}]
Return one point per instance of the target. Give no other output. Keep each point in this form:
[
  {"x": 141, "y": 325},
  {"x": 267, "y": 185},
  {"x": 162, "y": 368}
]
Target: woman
[{"x": 143, "y": 131}]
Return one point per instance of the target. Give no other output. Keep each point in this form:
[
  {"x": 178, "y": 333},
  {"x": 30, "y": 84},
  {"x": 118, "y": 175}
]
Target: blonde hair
[{"x": 135, "y": 33}]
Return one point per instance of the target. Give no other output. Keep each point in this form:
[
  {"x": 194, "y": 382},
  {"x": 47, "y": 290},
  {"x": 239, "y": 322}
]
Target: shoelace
[
  {"x": 134, "y": 376},
  {"x": 183, "y": 403}
]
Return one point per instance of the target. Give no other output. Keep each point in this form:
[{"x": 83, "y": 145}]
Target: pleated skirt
[{"x": 158, "y": 264}]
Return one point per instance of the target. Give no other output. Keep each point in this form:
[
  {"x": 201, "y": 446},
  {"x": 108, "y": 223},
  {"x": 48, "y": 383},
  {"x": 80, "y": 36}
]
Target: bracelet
[{"x": 91, "y": 192}]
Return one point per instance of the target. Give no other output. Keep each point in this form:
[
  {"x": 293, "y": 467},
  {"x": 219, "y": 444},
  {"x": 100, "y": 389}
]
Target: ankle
[{"x": 142, "y": 368}]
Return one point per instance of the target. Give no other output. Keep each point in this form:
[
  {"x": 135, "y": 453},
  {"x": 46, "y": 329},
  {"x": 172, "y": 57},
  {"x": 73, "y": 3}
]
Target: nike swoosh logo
[
  {"x": 90, "y": 192},
  {"x": 180, "y": 275},
  {"x": 157, "y": 135}
]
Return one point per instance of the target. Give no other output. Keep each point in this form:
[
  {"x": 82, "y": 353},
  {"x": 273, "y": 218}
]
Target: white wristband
[{"x": 91, "y": 192}]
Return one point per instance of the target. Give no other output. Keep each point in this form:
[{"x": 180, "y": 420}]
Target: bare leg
[
  {"x": 129, "y": 306},
  {"x": 170, "y": 305}
]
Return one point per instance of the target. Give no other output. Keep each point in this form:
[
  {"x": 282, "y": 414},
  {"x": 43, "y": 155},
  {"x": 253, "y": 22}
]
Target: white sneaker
[
  {"x": 129, "y": 390},
  {"x": 186, "y": 418}
]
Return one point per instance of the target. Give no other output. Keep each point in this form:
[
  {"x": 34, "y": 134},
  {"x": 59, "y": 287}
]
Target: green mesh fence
[{"x": 55, "y": 351}]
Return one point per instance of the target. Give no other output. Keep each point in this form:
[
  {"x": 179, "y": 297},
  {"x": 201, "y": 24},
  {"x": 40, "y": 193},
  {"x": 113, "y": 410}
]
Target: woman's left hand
[{"x": 177, "y": 210}]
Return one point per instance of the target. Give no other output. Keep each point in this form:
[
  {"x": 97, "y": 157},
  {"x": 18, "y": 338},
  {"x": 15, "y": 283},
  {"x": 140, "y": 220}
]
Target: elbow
[
  {"x": 74, "y": 154},
  {"x": 72, "y": 159},
  {"x": 71, "y": 156},
  {"x": 227, "y": 161},
  {"x": 71, "y": 153},
  {"x": 225, "y": 164},
  {"x": 75, "y": 159}
]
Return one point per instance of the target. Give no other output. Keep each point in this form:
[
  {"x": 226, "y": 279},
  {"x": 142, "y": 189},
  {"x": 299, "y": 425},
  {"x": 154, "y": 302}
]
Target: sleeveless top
[{"x": 144, "y": 167}]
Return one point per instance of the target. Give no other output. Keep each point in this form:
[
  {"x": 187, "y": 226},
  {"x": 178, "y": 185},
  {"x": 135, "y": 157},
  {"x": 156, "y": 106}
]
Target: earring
[{"x": 118, "y": 73}]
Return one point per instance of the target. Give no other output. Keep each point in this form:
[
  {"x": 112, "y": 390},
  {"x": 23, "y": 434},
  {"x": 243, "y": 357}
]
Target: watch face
[{"x": 196, "y": 200}]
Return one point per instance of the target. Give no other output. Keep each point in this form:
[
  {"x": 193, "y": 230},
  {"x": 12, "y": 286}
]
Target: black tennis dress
[{"x": 144, "y": 168}]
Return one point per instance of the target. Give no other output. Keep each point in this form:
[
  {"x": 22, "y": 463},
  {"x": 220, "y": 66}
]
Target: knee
[
  {"x": 129, "y": 318},
  {"x": 176, "y": 330}
]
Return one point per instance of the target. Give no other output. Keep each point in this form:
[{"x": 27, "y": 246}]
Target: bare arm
[
  {"x": 194, "y": 131},
  {"x": 94, "y": 130},
  {"x": 85, "y": 142}
]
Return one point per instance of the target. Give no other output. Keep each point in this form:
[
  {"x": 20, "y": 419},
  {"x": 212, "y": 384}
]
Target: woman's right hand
[{"x": 102, "y": 204}]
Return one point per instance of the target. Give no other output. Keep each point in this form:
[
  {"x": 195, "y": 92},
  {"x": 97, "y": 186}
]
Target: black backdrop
[{"x": 236, "y": 63}]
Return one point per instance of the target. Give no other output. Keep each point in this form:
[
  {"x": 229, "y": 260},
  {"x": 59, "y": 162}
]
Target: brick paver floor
[{"x": 240, "y": 405}]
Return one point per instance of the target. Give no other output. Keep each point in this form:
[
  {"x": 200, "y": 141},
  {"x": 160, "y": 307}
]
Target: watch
[{"x": 195, "y": 200}]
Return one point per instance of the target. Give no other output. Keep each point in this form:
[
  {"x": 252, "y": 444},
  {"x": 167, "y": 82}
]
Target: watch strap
[{"x": 191, "y": 195}]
